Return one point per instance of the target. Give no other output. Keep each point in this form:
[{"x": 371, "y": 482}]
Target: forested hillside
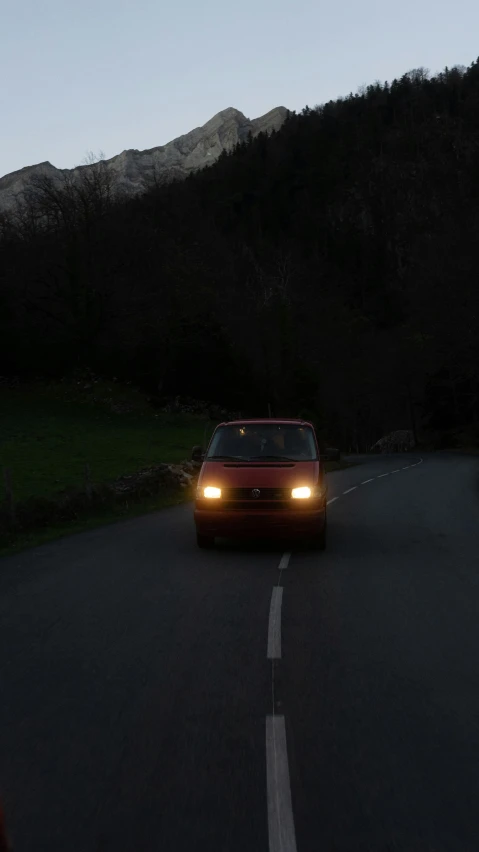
[{"x": 331, "y": 268}]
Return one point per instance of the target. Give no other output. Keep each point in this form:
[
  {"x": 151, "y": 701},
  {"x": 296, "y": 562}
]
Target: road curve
[{"x": 154, "y": 696}]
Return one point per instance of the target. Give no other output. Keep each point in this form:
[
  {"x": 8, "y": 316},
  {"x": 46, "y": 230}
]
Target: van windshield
[{"x": 263, "y": 441}]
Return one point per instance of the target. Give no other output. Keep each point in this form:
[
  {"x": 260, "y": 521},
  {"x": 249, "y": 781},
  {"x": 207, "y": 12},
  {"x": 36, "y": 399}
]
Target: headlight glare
[
  {"x": 211, "y": 492},
  {"x": 301, "y": 493}
]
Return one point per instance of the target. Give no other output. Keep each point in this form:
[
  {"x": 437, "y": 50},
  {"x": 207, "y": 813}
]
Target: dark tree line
[{"x": 330, "y": 268}]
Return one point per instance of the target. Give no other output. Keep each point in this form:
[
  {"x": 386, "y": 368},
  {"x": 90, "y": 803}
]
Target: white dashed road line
[
  {"x": 284, "y": 561},
  {"x": 282, "y": 837},
  {"x": 274, "y": 624},
  {"x": 281, "y": 832}
]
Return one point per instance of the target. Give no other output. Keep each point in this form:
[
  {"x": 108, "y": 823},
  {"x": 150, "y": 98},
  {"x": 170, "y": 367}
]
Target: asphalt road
[{"x": 158, "y": 697}]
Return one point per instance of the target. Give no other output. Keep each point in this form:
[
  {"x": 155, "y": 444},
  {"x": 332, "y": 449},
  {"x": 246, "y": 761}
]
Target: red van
[{"x": 261, "y": 478}]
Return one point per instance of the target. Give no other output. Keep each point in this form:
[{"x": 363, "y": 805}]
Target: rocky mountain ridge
[{"x": 133, "y": 171}]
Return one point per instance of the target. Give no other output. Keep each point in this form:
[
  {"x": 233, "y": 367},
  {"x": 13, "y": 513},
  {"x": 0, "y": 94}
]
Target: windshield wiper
[
  {"x": 271, "y": 458},
  {"x": 225, "y": 458}
]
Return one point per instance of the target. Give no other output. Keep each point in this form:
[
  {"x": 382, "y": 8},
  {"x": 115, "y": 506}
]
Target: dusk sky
[{"x": 109, "y": 74}]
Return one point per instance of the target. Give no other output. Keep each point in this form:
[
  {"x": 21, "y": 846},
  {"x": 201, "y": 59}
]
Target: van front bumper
[{"x": 258, "y": 523}]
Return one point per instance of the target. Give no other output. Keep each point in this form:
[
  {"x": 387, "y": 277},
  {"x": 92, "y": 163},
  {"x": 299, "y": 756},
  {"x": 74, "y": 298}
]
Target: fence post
[{"x": 9, "y": 496}]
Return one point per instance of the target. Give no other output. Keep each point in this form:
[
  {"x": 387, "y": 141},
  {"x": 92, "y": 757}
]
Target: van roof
[{"x": 278, "y": 420}]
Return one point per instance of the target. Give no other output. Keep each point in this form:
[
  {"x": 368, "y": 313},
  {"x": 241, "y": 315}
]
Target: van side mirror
[{"x": 197, "y": 454}]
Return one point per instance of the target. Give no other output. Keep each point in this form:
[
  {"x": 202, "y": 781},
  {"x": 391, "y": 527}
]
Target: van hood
[{"x": 259, "y": 475}]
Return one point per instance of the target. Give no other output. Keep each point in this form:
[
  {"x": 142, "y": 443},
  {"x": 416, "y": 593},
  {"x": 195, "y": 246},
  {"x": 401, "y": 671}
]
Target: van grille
[
  {"x": 269, "y": 500},
  {"x": 265, "y": 494}
]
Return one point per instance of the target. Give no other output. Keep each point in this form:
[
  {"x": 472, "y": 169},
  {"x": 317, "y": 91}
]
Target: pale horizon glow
[{"x": 108, "y": 76}]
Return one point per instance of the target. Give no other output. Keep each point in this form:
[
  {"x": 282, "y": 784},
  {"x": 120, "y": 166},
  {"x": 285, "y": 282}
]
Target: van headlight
[
  {"x": 211, "y": 492},
  {"x": 301, "y": 493}
]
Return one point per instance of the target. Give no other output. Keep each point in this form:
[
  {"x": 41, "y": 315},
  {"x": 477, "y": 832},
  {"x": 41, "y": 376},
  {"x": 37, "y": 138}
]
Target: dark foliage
[{"x": 331, "y": 267}]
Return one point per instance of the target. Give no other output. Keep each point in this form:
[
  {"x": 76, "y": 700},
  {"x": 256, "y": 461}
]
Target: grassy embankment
[{"x": 59, "y": 439}]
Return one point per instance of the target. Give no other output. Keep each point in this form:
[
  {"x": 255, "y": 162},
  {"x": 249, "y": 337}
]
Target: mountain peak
[{"x": 132, "y": 171}]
